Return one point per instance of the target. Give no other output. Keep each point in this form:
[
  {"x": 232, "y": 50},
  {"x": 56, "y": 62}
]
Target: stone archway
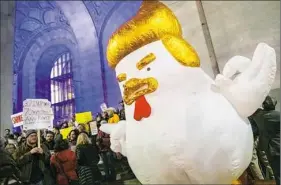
[
  {"x": 43, "y": 70},
  {"x": 29, "y": 63},
  {"x": 87, "y": 42}
]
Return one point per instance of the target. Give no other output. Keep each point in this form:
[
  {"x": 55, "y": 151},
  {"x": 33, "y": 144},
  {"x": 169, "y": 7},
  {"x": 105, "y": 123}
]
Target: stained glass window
[{"x": 62, "y": 89}]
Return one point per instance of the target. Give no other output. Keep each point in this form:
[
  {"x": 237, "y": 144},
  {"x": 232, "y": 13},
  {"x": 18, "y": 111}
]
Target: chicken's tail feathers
[
  {"x": 235, "y": 65},
  {"x": 260, "y": 76},
  {"x": 247, "y": 91}
]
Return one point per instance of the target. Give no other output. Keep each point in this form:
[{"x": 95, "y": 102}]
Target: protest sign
[
  {"x": 65, "y": 131},
  {"x": 103, "y": 107},
  {"x": 93, "y": 127},
  {"x": 17, "y": 119},
  {"x": 83, "y": 117},
  {"x": 37, "y": 114}
]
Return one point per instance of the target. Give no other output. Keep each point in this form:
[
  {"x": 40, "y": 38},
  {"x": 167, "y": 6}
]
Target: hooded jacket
[{"x": 65, "y": 159}]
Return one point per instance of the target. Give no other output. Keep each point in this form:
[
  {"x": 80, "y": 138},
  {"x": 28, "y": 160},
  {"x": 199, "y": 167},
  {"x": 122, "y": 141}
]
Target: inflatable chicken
[{"x": 182, "y": 126}]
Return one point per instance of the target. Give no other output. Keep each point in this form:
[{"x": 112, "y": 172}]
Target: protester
[
  {"x": 32, "y": 159},
  {"x": 87, "y": 160},
  {"x": 23, "y": 133},
  {"x": 7, "y": 133},
  {"x": 104, "y": 116},
  {"x": 72, "y": 139},
  {"x": 63, "y": 164},
  {"x": 70, "y": 123},
  {"x": 21, "y": 140},
  {"x": 10, "y": 148},
  {"x": 58, "y": 136},
  {"x": 9, "y": 173},
  {"x": 50, "y": 143},
  {"x": 64, "y": 125},
  {"x": 113, "y": 117},
  {"x": 73, "y": 119},
  {"x": 35, "y": 162},
  {"x": 122, "y": 115},
  {"x": 268, "y": 122},
  {"x": 82, "y": 129},
  {"x": 103, "y": 141},
  {"x": 16, "y": 135},
  {"x": 11, "y": 140}
]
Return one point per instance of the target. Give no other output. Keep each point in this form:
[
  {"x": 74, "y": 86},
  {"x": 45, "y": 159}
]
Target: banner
[
  {"x": 93, "y": 127},
  {"x": 83, "y": 117},
  {"x": 37, "y": 114},
  {"x": 17, "y": 119},
  {"x": 64, "y": 132}
]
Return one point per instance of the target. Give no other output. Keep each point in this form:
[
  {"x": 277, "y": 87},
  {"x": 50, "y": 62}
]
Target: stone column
[{"x": 7, "y": 35}]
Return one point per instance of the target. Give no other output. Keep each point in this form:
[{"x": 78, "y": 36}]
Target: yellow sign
[
  {"x": 64, "y": 132},
  {"x": 83, "y": 117}
]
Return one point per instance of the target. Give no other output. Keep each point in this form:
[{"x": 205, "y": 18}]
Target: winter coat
[
  {"x": 67, "y": 160},
  {"x": 87, "y": 160},
  {"x": 103, "y": 140},
  {"x": 8, "y": 167},
  {"x": 25, "y": 160},
  {"x": 49, "y": 145},
  {"x": 58, "y": 137},
  {"x": 114, "y": 119},
  {"x": 268, "y": 123}
]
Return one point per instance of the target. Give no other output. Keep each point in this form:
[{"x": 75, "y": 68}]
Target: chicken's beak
[{"x": 135, "y": 88}]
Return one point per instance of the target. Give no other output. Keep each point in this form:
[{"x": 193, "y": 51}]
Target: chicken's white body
[{"x": 194, "y": 134}]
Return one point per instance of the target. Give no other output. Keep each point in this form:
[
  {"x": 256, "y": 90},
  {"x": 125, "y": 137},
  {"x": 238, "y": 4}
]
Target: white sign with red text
[{"x": 17, "y": 119}]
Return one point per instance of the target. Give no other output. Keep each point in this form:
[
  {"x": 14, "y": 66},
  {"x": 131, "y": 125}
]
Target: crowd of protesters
[
  {"x": 81, "y": 159},
  {"x": 76, "y": 160}
]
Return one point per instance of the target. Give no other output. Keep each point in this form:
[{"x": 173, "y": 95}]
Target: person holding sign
[
  {"x": 31, "y": 159},
  {"x": 113, "y": 117}
]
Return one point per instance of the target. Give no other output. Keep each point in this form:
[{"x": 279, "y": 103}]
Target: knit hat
[{"x": 29, "y": 132}]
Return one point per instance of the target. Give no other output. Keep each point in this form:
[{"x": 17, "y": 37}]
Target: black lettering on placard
[
  {"x": 36, "y": 103},
  {"x": 31, "y": 111},
  {"x": 44, "y": 117}
]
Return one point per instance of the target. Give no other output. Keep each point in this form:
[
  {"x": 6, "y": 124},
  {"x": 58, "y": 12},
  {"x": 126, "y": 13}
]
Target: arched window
[{"x": 62, "y": 91}]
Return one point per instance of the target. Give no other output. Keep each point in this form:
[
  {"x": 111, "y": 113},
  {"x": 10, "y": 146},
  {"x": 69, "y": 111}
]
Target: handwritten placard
[
  {"x": 37, "y": 114},
  {"x": 17, "y": 119},
  {"x": 93, "y": 127}
]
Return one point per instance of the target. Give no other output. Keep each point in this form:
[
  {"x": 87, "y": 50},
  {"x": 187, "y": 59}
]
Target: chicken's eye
[{"x": 148, "y": 69}]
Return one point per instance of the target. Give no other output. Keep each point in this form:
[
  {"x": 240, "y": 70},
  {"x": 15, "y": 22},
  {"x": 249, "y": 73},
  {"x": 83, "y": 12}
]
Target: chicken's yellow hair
[{"x": 154, "y": 21}]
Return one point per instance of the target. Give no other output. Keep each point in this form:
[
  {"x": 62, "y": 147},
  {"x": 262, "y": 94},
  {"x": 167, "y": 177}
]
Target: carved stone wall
[{"x": 46, "y": 29}]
